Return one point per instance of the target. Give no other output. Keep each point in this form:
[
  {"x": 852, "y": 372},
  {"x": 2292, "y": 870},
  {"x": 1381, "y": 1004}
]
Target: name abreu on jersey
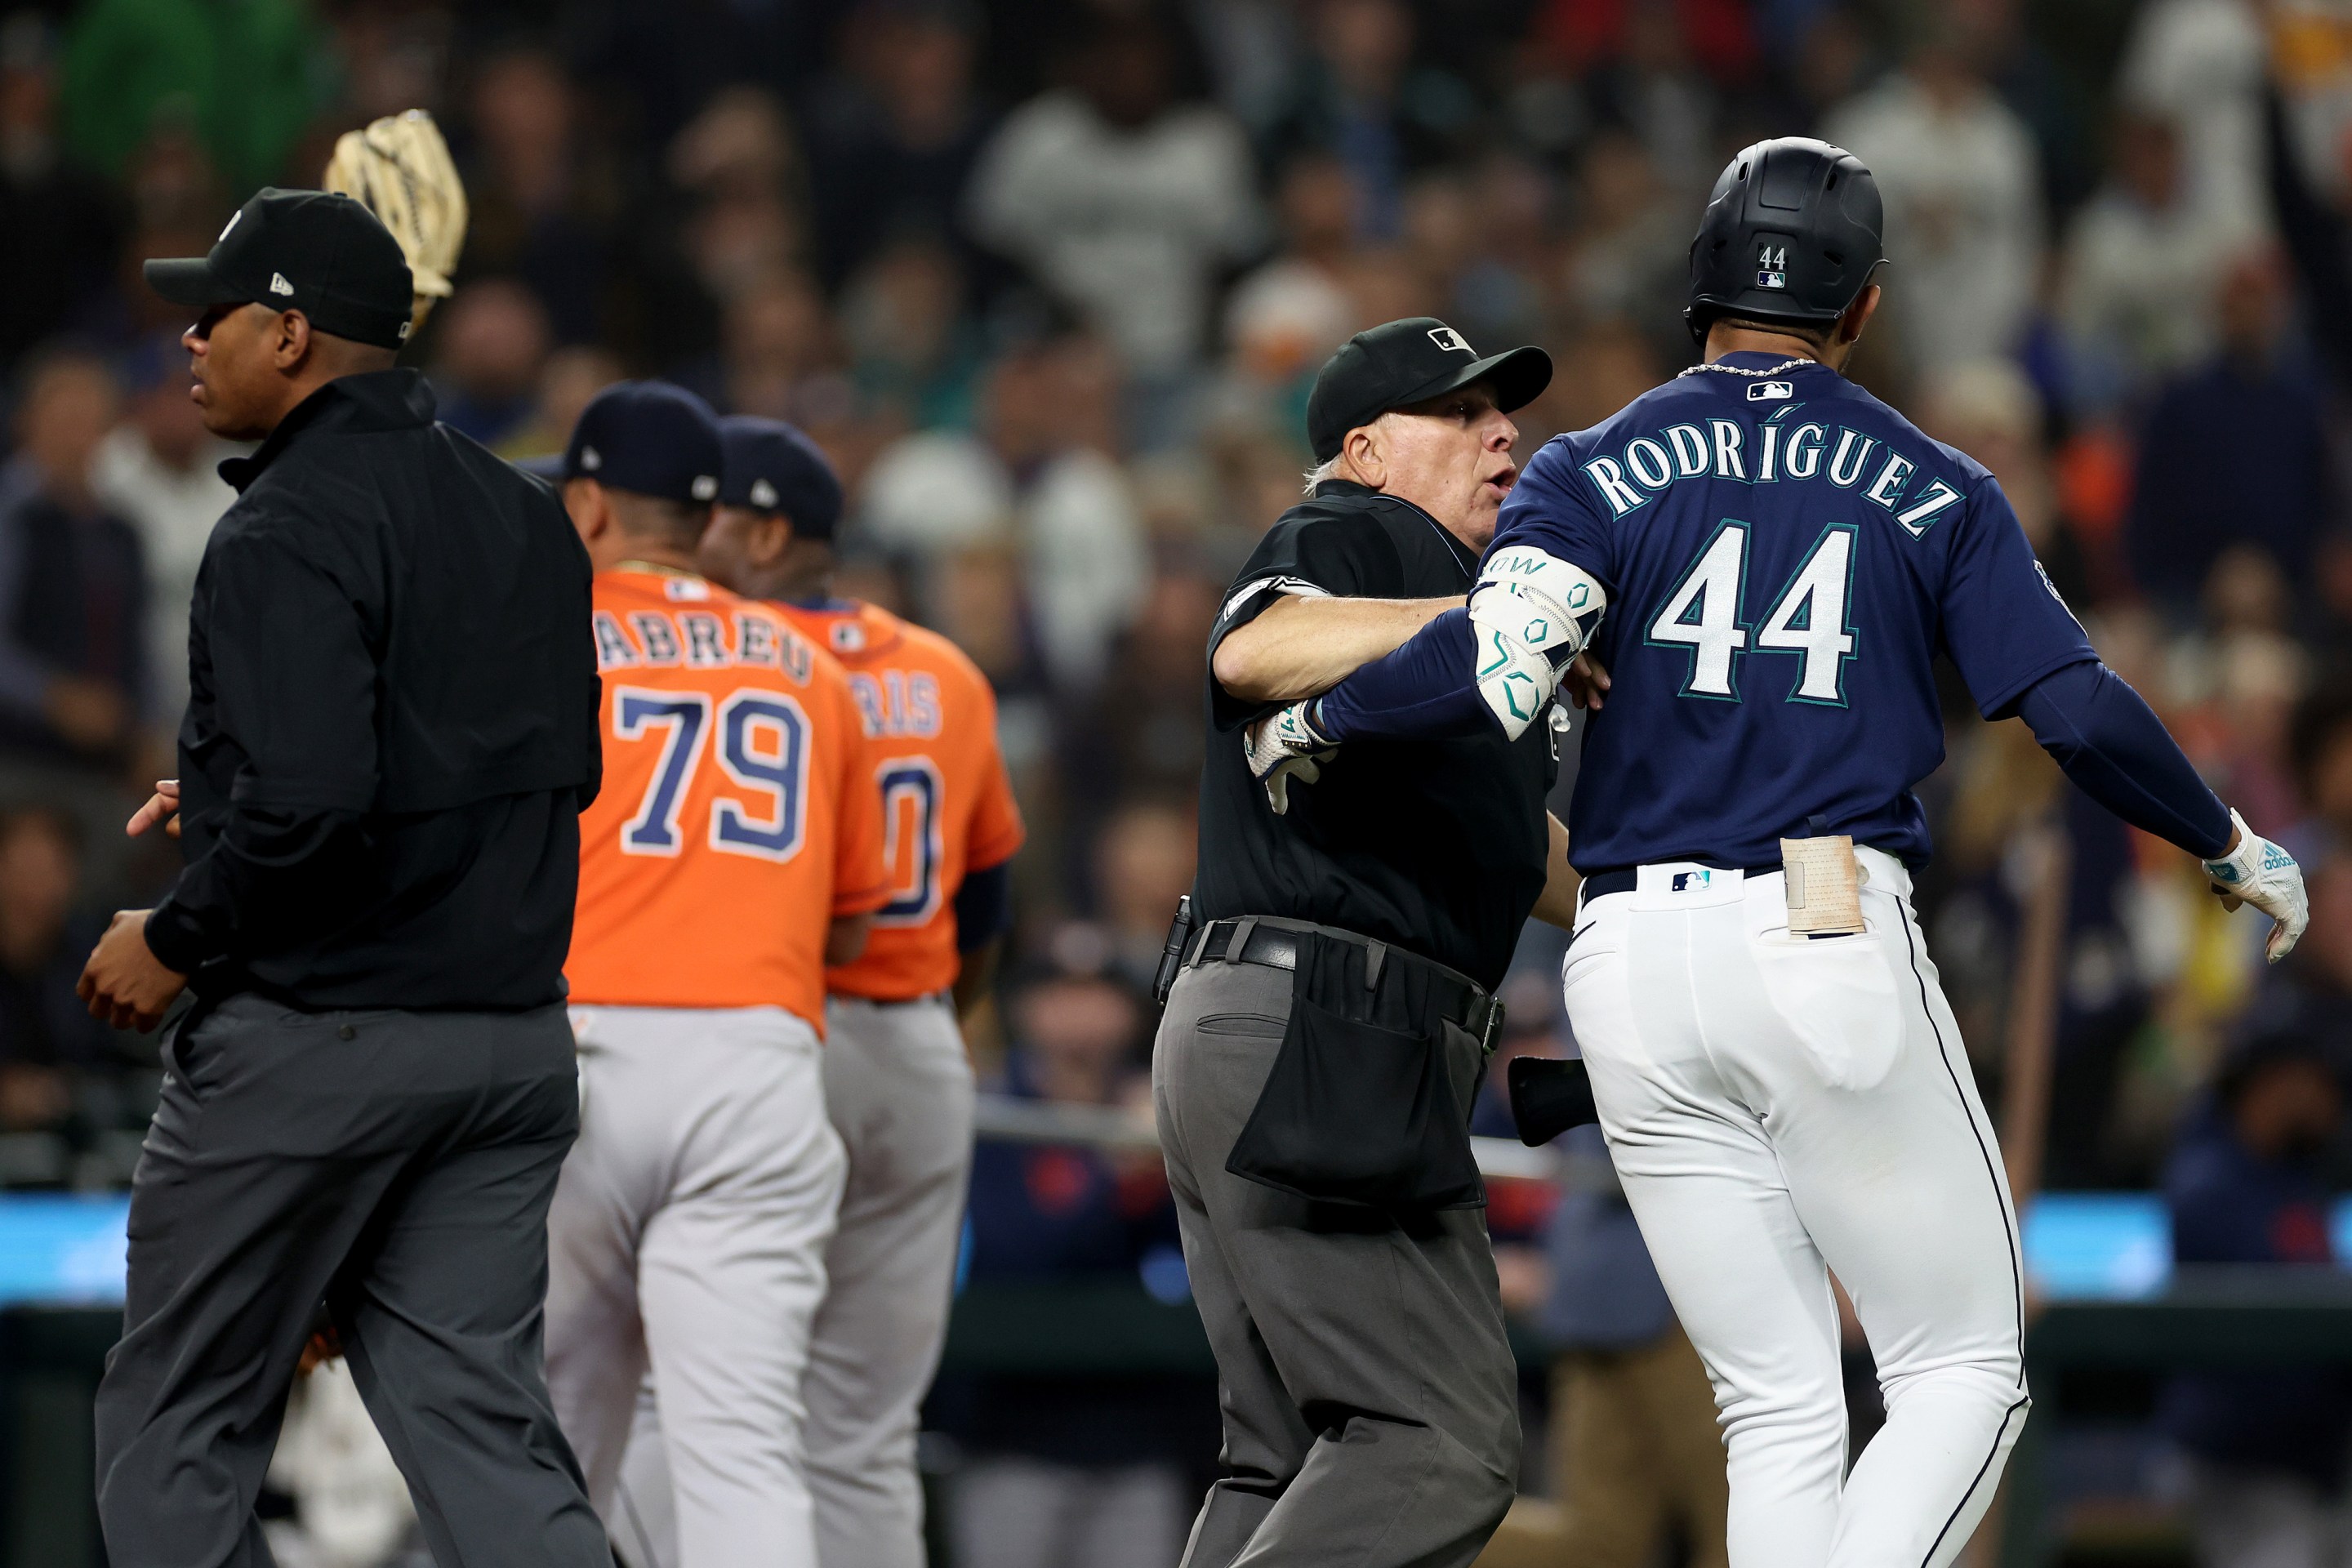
[{"x": 1786, "y": 446}]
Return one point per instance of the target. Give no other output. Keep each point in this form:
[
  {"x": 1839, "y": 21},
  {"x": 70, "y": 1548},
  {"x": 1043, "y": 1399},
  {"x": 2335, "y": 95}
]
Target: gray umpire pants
[
  {"x": 1369, "y": 1393},
  {"x": 398, "y": 1166}
]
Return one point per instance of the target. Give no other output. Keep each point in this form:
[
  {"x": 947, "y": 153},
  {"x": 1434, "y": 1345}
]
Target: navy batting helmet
[{"x": 1790, "y": 234}]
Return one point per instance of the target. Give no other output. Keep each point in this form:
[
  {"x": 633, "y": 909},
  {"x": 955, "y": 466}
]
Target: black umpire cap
[
  {"x": 1790, "y": 234},
  {"x": 650, "y": 438},
  {"x": 772, "y": 466},
  {"x": 318, "y": 252},
  {"x": 1411, "y": 361}
]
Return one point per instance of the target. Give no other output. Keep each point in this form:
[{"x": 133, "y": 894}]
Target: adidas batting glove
[
  {"x": 1285, "y": 745},
  {"x": 2260, "y": 873}
]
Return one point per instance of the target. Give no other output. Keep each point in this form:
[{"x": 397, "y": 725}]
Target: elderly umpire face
[{"x": 1408, "y": 409}]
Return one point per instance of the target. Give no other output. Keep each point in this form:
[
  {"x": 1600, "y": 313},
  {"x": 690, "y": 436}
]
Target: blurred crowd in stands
[{"x": 1048, "y": 281}]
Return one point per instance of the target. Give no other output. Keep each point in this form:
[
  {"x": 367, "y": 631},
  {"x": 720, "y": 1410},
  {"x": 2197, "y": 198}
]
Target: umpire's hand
[{"x": 124, "y": 982}]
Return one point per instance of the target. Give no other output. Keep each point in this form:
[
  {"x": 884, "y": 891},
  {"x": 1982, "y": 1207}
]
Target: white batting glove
[
  {"x": 2260, "y": 873},
  {"x": 1284, "y": 746}
]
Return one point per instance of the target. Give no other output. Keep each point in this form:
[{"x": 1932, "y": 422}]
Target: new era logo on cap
[
  {"x": 278, "y": 284},
  {"x": 648, "y": 438},
  {"x": 763, "y": 495},
  {"x": 1452, "y": 341}
]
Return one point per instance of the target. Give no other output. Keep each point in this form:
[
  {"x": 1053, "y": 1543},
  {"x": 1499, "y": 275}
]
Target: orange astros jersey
[
  {"x": 738, "y": 816},
  {"x": 931, "y": 727}
]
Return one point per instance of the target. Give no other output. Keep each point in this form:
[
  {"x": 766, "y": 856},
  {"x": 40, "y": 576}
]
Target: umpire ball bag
[
  {"x": 1360, "y": 1107},
  {"x": 1790, "y": 234}
]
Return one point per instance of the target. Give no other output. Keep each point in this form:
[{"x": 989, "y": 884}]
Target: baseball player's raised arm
[
  {"x": 1300, "y": 645},
  {"x": 1533, "y": 610},
  {"x": 303, "y": 708},
  {"x": 2021, "y": 651}
]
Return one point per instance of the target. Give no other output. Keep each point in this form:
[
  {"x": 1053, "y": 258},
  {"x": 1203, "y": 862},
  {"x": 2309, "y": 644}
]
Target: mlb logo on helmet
[
  {"x": 1450, "y": 340},
  {"x": 1772, "y": 265}
]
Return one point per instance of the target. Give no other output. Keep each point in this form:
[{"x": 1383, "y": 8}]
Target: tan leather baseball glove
[{"x": 400, "y": 167}]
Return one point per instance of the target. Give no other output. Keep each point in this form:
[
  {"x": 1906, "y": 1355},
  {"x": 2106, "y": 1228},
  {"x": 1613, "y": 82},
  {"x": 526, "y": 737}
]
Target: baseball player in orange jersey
[
  {"x": 736, "y": 851},
  {"x": 897, "y": 1083}
]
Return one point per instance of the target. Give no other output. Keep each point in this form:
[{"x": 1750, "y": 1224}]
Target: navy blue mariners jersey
[{"x": 1784, "y": 557}]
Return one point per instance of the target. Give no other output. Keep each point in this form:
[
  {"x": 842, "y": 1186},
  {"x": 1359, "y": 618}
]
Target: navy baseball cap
[
  {"x": 318, "y": 252},
  {"x": 772, "y": 466},
  {"x": 1407, "y": 361},
  {"x": 651, "y": 439}
]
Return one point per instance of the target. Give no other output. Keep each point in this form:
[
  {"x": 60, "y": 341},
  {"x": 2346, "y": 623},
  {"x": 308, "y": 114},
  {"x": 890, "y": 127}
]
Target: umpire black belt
[{"x": 1274, "y": 943}]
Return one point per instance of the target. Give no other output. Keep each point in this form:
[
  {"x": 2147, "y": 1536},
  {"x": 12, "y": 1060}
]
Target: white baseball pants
[
  {"x": 1779, "y": 1108},
  {"x": 899, "y": 1090},
  {"x": 687, "y": 1240}
]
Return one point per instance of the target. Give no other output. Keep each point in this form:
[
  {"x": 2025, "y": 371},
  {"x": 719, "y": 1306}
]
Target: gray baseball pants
[
  {"x": 398, "y": 1166},
  {"x": 1369, "y": 1396},
  {"x": 688, "y": 1240},
  {"x": 898, "y": 1092}
]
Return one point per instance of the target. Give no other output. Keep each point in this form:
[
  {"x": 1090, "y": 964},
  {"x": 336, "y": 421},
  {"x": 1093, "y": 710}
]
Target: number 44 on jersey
[{"x": 1807, "y": 617}]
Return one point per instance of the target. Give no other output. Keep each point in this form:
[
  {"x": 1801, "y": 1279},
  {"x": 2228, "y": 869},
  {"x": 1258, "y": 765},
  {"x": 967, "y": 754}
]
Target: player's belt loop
[
  {"x": 1376, "y": 953},
  {"x": 1237, "y": 944}
]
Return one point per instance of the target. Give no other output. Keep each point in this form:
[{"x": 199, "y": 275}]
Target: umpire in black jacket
[
  {"x": 1315, "y": 1069},
  {"x": 390, "y": 730}
]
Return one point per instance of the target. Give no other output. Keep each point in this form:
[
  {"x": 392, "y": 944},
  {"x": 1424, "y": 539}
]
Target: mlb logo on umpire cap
[
  {"x": 1772, "y": 265},
  {"x": 1450, "y": 340}
]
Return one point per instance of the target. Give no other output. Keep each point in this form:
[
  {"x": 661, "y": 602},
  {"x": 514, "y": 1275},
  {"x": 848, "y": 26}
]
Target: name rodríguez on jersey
[{"x": 1786, "y": 448}]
